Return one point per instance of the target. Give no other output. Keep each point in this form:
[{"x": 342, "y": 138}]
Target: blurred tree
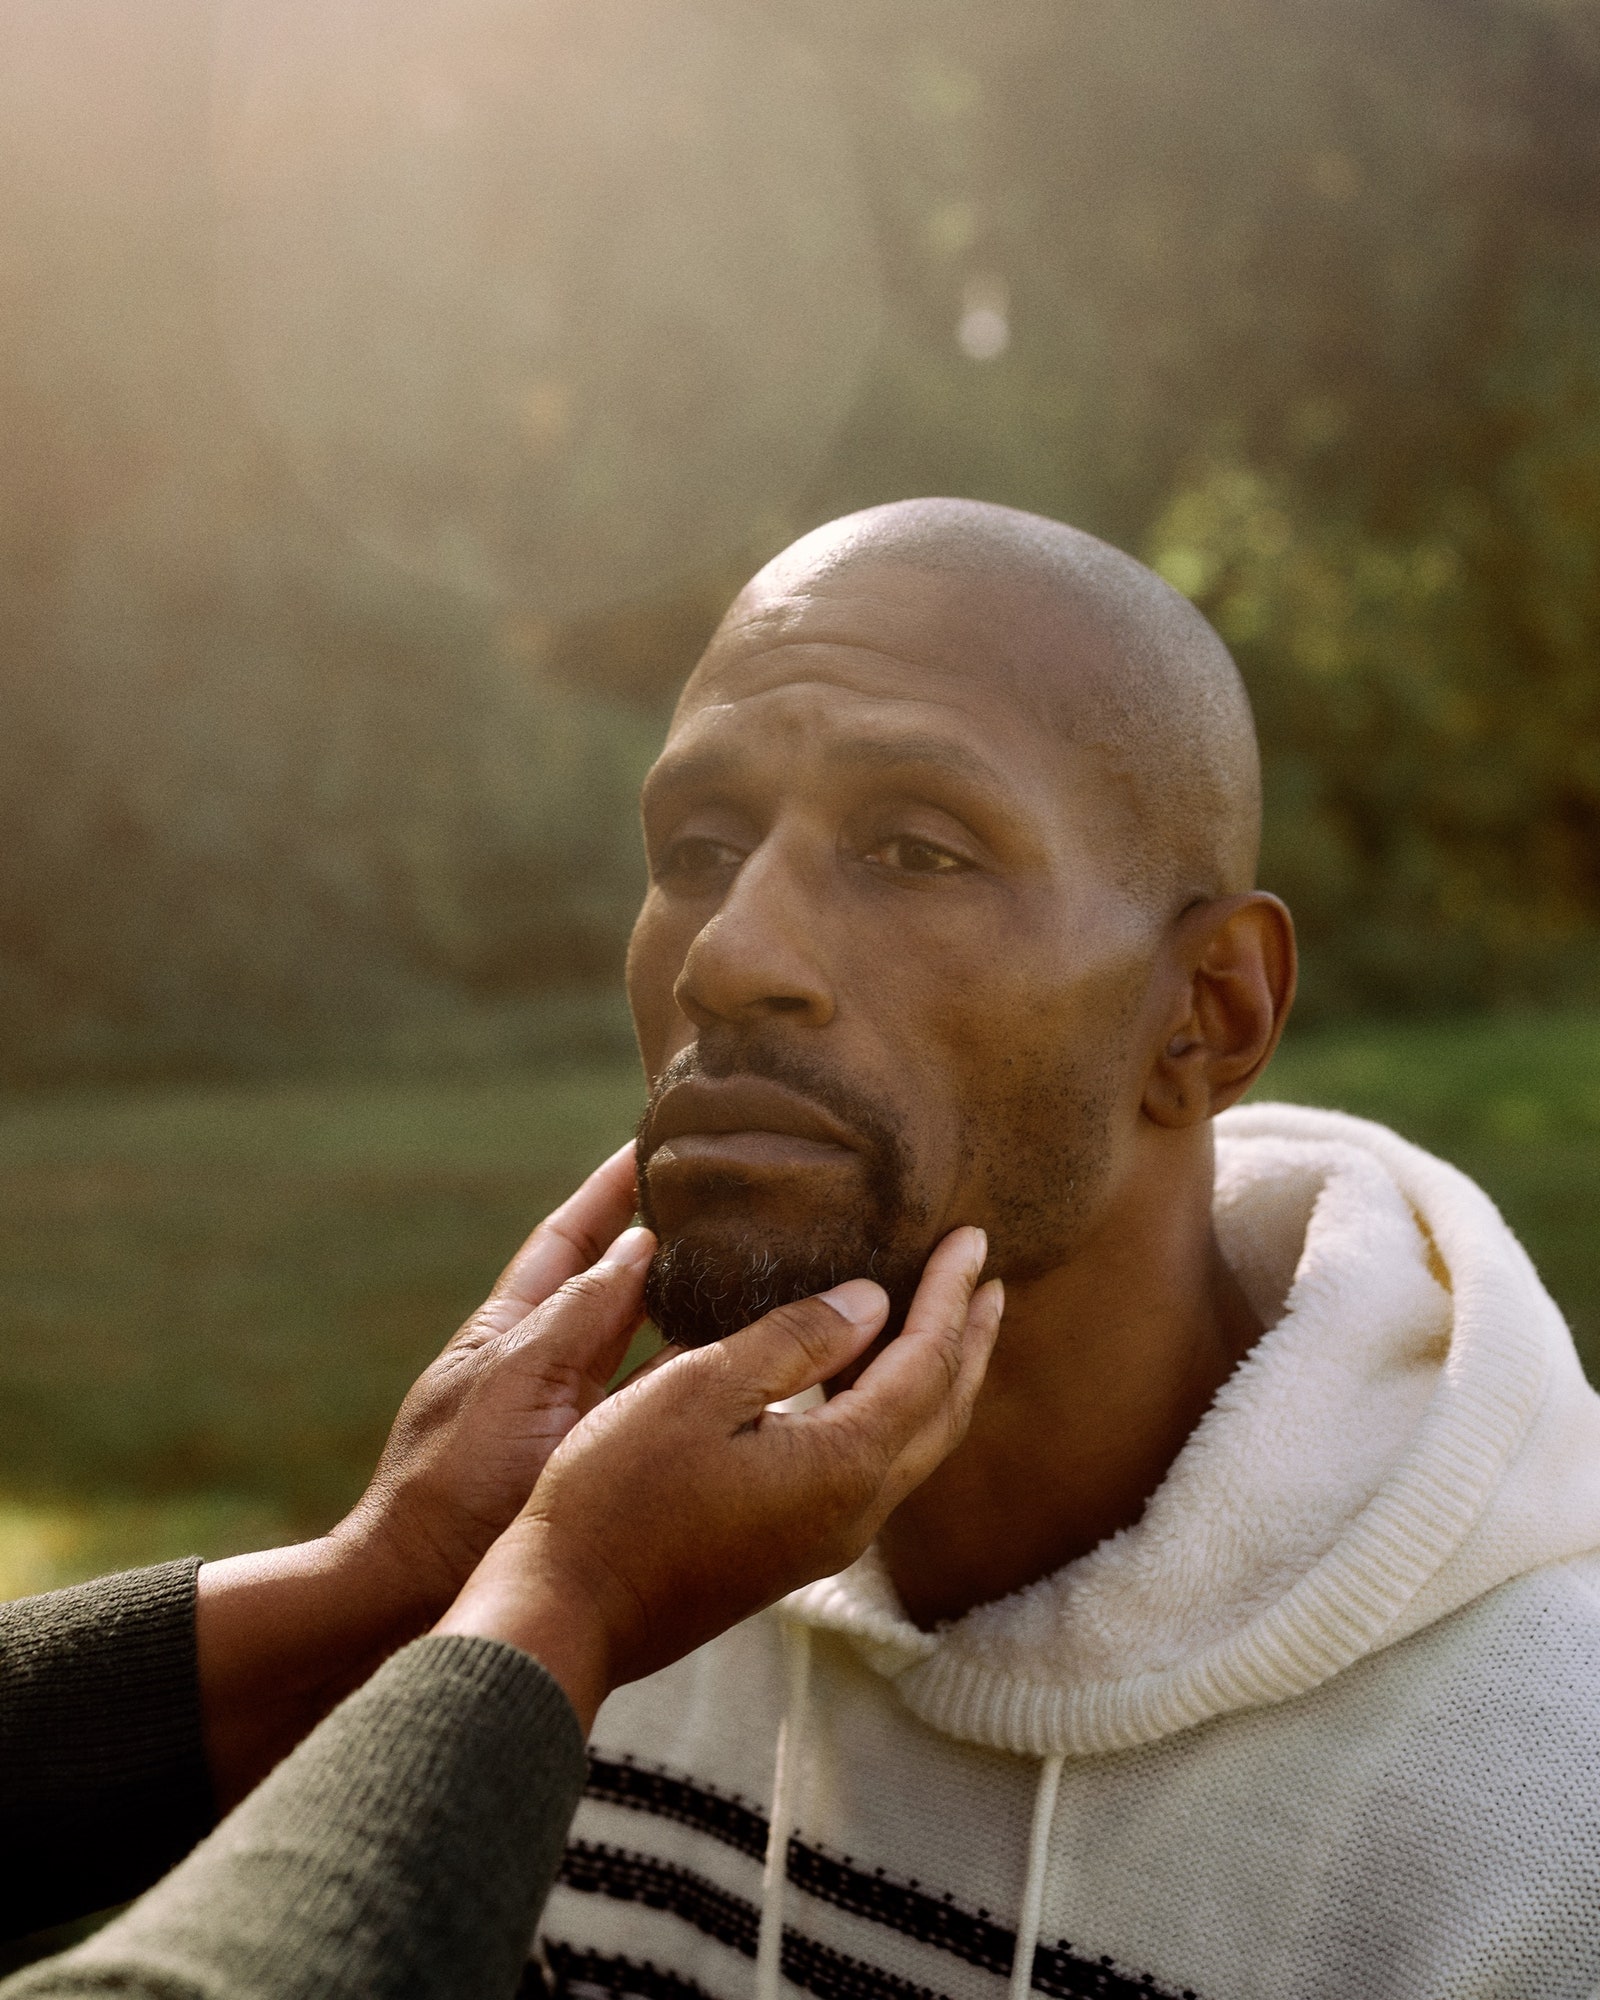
[
  {"x": 253, "y": 820},
  {"x": 1305, "y": 308},
  {"x": 1300, "y": 301}
]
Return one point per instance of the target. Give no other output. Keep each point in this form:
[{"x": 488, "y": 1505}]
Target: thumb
[
  {"x": 794, "y": 1347},
  {"x": 586, "y": 1325}
]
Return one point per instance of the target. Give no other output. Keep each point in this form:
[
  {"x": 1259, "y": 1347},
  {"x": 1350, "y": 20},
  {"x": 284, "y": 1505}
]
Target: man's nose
[{"x": 760, "y": 955}]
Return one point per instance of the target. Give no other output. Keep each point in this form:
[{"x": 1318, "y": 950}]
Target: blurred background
[{"x": 392, "y": 393}]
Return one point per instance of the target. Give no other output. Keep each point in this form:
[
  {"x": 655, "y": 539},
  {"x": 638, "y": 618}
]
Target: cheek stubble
[
  {"x": 1035, "y": 1149},
  {"x": 1039, "y": 1145}
]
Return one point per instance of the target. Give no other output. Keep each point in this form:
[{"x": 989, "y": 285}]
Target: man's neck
[{"x": 1102, "y": 1370}]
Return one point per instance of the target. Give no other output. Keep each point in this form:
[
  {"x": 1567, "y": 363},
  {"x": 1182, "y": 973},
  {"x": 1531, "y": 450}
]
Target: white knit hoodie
[{"x": 1325, "y": 1722}]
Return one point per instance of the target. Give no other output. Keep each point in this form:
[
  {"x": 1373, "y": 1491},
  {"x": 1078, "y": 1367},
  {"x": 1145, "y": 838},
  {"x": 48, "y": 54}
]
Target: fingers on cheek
[{"x": 604, "y": 1298}]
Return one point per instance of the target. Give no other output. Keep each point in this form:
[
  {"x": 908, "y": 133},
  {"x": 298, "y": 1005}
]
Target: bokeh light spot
[{"x": 984, "y": 329}]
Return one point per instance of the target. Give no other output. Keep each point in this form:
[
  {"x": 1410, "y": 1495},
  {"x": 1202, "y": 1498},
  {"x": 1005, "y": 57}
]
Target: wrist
[
  {"x": 394, "y": 1578},
  {"x": 281, "y": 1637},
  {"x": 512, "y": 1597}
]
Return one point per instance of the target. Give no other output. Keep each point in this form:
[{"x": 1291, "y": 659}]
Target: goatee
[{"x": 715, "y": 1276}]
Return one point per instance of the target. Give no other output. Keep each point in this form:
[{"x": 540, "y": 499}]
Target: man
[
  {"x": 407, "y": 1843},
  {"x": 1249, "y": 1644}
]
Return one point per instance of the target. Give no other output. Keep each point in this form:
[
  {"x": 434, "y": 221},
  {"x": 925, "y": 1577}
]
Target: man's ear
[{"x": 1234, "y": 961}]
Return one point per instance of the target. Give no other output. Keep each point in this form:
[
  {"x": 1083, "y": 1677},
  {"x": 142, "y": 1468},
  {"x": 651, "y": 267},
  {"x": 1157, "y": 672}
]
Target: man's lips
[{"x": 745, "y": 1121}]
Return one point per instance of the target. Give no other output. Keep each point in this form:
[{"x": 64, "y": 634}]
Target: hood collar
[{"x": 1371, "y": 1465}]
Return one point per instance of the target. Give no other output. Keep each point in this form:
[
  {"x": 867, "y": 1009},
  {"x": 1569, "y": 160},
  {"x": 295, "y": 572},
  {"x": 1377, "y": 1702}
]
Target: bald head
[{"x": 1106, "y": 653}]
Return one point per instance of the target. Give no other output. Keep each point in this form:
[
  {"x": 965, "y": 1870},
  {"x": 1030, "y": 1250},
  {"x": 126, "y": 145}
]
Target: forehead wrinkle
[
  {"x": 1070, "y": 720},
  {"x": 1028, "y": 680},
  {"x": 882, "y": 744},
  {"x": 714, "y": 762},
  {"x": 1000, "y": 683},
  {"x": 712, "y": 669},
  {"x": 935, "y": 752}
]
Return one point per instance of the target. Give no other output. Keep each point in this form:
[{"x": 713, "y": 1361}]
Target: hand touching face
[
  {"x": 686, "y": 1466},
  {"x": 476, "y": 1429},
  {"x": 684, "y": 1503}
]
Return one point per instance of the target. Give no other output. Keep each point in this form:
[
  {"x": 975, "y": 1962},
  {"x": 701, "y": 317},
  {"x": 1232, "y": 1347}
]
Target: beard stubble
[
  {"x": 1040, "y": 1145},
  {"x": 719, "y": 1275}
]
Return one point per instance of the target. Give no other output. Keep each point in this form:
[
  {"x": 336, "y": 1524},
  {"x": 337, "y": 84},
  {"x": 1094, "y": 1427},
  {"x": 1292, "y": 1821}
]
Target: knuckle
[
  {"x": 708, "y": 1368},
  {"x": 557, "y": 1382},
  {"x": 700, "y": 1379},
  {"x": 860, "y": 1460},
  {"x": 475, "y": 1333},
  {"x": 591, "y": 1287},
  {"x": 944, "y": 1352},
  {"x": 811, "y": 1325},
  {"x": 571, "y": 1233},
  {"x": 465, "y": 1361},
  {"x": 950, "y": 1353}
]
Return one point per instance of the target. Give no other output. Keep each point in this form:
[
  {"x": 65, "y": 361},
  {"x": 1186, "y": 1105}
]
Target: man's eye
[
  {"x": 696, "y": 855},
  {"x": 909, "y": 856}
]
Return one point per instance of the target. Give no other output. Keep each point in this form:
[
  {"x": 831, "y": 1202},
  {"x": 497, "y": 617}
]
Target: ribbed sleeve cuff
[{"x": 103, "y": 1779}]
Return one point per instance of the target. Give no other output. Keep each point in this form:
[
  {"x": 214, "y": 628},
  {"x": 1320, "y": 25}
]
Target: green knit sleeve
[
  {"x": 103, "y": 1781},
  {"x": 405, "y": 1848}
]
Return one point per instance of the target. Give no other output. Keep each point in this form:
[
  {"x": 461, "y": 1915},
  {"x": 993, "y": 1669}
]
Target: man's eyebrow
[
  {"x": 675, "y": 770},
  {"x": 936, "y": 752},
  {"x": 714, "y": 765}
]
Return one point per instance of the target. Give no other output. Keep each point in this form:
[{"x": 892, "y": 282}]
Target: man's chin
[{"x": 706, "y": 1283}]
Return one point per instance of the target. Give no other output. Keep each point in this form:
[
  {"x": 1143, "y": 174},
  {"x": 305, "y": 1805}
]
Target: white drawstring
[
  {"x": 785, "y": 1787},
  {"x": 1044, "y": 1812},
  {"x": 785, "y": 1790}
]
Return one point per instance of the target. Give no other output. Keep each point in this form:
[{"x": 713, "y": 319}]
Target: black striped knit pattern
[{"x": 907, "y": 1908}]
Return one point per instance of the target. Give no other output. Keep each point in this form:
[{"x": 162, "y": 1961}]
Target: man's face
[{"x": 885, "y": 972}]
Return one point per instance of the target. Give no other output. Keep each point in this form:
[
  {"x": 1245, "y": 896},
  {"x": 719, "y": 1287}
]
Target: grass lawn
[{"x": 212, "y": 1298}]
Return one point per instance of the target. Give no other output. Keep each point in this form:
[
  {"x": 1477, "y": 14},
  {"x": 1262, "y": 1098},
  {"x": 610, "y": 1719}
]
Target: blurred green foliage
[
  {"x": 1306, "y": 308},
  {"x": 1302, "y": 302}
]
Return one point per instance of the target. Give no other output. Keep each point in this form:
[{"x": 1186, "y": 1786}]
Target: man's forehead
[
  {"x": 966, "y": 642},
  {"x": 889, "y": 609},
  {"x": 799, "y": 710},
  {"x": 1051, "y": 652},
  {"x": 828, "y": 704},
  {"x": 962, "y": 620}
]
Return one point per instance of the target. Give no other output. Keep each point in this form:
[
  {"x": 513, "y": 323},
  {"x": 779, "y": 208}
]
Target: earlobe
[{"x": 1175, "y": 1093}]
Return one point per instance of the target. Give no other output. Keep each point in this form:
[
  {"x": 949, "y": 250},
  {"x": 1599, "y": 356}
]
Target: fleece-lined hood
[{"x": 1413, "y": 1430}]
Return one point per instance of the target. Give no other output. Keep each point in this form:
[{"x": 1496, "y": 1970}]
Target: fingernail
[
  {"x": 633, "y": 1246},
  {"x": 858, "y": 1300},
  {"x": 980, "y": 1252}
]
